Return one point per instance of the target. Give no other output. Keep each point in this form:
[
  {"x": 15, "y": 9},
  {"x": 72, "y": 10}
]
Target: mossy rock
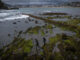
[
  {"x": 54, "y": 39},
  {"x": 22, "y": 46},
  {"x": 51, "y": 31},
  {"x": 49, "y": 26},
  {"x": 34, "y": 30},
  {"x": 58, "y": 56},
  {"x": 42, "y": 32}
]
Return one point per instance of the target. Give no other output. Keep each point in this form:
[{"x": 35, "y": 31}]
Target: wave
[
  {"x": 4, "y": 14},
  {"x": 15, "y": 17},
  {"x": 12, "y": 15},
  {"x": 47, "y": 11}
]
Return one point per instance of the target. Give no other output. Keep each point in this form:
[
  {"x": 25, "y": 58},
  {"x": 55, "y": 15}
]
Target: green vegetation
[
  {"x": 67, "y": 47},
  {"x": 51, "y": 31},
  {"x": 59, "y": 17},
  {"x": 34, "y": 30},
  {"x": 73, "y": 21},
  {"x": 54, "y": 13},
  {"x": 65, "y": 25},
  {"x": 42, "y": 32},
  {"x": 18, "y": 47},
  {"x": 58, "y": 47},
  {"x": 54, "y": 40},
  {"x": 37, "y": 29},
  {"x": 49, "y": 26}
]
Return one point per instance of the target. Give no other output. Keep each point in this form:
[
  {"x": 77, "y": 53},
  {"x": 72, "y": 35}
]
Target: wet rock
[
  {"x": 64, "y": 36},
  {"x": 72, "y": 49},
  {"x": 25, "y": 54},
  {"x": 20, "y": 32},
  {"x": 14, "y": 23},
  {"x": 32, "y": 20},
  {"x": 44, "y": 40},
  {"x": 46, "y": 24},
  {"x": 37, "y": 43},
  {"x": 29, "y": 19},
  {"x": 46, "y": 31},
  {"x": 36, "y": 22},
  {"x": 54, "y": 27},
  {"x": 26, "y": 21},
  {"x": 19, "y": 21},
  {"x": 9, "y": 35}
]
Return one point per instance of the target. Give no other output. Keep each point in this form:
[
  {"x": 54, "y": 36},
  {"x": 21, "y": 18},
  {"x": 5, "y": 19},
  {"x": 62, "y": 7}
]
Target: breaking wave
[{"x": 12, "y": 16}]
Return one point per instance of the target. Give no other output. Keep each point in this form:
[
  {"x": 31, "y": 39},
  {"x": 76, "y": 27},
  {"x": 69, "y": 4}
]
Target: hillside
[
  {"x": 74, "y": 4},
  {"x": 2, "y": 5}
]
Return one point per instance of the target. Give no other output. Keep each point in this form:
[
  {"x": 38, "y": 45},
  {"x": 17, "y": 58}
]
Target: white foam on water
[
  {"x": 15, "y": 17},
  {"x": 4, "y": 14},
  {"x": 47, "y": 11}
]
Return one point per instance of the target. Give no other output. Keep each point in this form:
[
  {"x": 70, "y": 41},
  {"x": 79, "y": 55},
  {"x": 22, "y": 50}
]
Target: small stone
[
  {"x": 9, "y": 35},
  {"x": 36, "y": 22},
  {"x": 46, "y": 31},
  {"x": 19, "y": 21},
  {"x": 14, "y": 23}
]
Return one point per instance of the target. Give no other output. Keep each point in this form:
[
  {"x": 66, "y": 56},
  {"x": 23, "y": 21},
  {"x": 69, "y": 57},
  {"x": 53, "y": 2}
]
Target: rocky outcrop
[{"x": 2, "y": 5}]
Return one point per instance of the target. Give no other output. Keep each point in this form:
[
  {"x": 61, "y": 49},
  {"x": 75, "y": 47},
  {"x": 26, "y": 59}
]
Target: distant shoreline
[
  {"x": 50, "y": 7},
  {"x": 40, "y": 7}
]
